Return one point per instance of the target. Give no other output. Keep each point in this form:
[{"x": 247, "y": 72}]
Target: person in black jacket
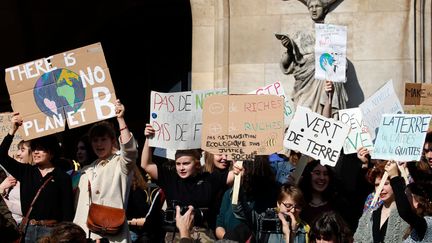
[
  {"x": 55, "y": 201},
  {"x": 419, "y": 219}
]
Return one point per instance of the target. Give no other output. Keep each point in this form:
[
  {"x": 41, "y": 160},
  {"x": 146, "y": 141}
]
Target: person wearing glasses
[
  {"x": 280, "y": 224},
  {"x": 290, "y": 203}
]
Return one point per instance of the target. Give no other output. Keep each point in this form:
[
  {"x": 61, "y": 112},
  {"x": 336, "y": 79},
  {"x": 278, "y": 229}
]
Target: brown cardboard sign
[
  {"x": 419, "y": 109},
  {"x": 418, "y": 94},
  {"x": 5, "y": 127},
  {"x": 242, "y": 126},
  {"x": 73, "y": 88}
]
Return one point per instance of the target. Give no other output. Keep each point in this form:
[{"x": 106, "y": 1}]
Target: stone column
[{"x": 203, "y": 44}]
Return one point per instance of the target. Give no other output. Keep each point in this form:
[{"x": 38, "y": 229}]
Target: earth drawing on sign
[{"x": 57, "y": 90}]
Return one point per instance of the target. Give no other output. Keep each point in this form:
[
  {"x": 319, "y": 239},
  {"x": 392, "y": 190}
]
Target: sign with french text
[
  {"x": 418, "y": 94},
  {"x": 330, "y": 52},
  {"x": 316, "y": 136},
  {"x": 5, "y": 127},
  {"x": 401, "y": 137},
  {"x": 242, "y": 126},
  {"x": 383, "y": 101},
  {"x": 419, "y": 109},
  {"x": 177, "y": 118},
  {"x": 72, "y": 87},
  {"x": 358, "y": 135},
  {"x": 276, "y": 88}
]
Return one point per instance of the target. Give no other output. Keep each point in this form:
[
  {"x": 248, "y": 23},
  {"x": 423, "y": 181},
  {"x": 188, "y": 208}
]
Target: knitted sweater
[
  {"x": 428, "y": 235},
  {"x": 396, "y": 228}
]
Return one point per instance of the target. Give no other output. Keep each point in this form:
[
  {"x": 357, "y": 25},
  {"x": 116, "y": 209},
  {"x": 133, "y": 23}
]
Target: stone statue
[{"x": 299, "y": 60}]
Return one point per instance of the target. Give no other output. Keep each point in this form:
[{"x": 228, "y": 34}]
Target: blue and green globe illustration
[
  {"x": 326, "y": 57},
  {"x": 57, "y": 90}
]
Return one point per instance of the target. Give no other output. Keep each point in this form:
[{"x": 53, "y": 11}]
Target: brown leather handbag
[{"x": 104, "y": 220}]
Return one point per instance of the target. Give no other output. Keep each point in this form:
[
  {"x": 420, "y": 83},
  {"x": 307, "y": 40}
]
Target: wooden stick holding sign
[
  {"x": 403, "y": 172},
  {"x": 379, "y": 188},
  {"x": 301, "y": 164},
  {"x": 236, "y": 186}
]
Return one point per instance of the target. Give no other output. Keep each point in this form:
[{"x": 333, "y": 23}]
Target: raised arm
[
  {"x": 129, "y": 151},
  {"x": 146, "y": 155},
  {"x": 329, "y": 89},
  {"x": 288, "y": 56},
  {"x": 403, "y": 206},
  {"x": 125, "y": 134},
  {"x": 11, "y": 165},
  {"x": 364, "y": 156}
]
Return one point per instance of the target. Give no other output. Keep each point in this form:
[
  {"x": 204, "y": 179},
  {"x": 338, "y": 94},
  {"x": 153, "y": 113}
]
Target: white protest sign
[
  {"x": 177, "y": 118},
  {"x": 315, "y": 135},
  {"x": 401, "y": 137},
  {"x": 276, "y": 88},
  {"x": 358, "y": 135},
  {"x": 330, "y": 52},
  {"x": 383, "y": 101}
]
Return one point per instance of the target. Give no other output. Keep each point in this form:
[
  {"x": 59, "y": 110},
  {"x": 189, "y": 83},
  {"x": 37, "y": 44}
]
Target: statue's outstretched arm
[{"x": 288, "y": 57}]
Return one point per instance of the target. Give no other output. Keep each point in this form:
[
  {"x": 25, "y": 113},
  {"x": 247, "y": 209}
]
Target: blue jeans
[{"x": 34, "y": 232}]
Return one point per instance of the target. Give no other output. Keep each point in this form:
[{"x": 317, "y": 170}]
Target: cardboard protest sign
[
  {"x": 419, "y": 109},
  {"x": 330, "y": 52},
  {"x": 358, "y": 135},
  {"x": 383, "y": 101},
  {"x": 5, "y": 127},
  {"x": 418, "y": 94},
  {"x": 401, "y": 137},
  {"x": 242, "y": 126},
  {"x": 177, "y": 118},
  {"x": 316, "y": 136},
  {"x": 73, "y": 87},
  {"x": 276, "y": 88}
]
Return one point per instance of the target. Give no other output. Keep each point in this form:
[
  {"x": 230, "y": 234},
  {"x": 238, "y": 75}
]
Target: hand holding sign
[
  {"x": 16, "y": 122},
  {"x": 119, "y": 109},
  {"x": 392, "y": 169},
  {"x": 364, "y": 156},
  {"x": 149, "y": 131}
]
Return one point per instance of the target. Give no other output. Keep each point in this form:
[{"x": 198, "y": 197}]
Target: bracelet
[{"x": 125, "y": 127}]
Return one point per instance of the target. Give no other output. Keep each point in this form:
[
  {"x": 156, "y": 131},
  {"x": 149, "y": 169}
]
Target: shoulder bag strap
[
  {"x": 89, "y": 191},
  {"x": 24, "y": 222}
]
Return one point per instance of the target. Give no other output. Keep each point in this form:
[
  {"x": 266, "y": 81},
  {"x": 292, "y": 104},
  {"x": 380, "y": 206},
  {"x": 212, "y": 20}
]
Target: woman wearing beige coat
[{"x": 110, "y": 174}]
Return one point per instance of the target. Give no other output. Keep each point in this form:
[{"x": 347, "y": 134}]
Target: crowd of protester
[{"x": 46, "y": 198}]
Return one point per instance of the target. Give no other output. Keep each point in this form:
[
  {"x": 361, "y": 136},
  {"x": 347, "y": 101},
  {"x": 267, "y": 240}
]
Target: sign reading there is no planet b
[{"x": 72, "y": 87}]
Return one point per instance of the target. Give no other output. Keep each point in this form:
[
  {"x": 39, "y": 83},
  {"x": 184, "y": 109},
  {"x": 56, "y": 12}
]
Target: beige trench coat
[{"x": 110, "y": 184}]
